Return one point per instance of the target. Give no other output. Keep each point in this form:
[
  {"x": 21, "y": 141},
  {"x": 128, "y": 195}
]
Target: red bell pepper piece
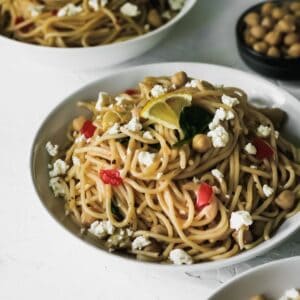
[
  {"x": 204, "y": 195},
  {"x": 111, "y": 177},
  {"x": 88, "y": 129},
  {"x": 263, "y": 149}
]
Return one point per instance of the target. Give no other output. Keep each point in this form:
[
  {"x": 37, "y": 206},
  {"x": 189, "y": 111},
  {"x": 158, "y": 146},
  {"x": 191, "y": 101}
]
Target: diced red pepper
[
  {"x": 131, "y": 92},
  {"x": 263, "y": 149},
  {"x": 111, "y": 177},
  {"x": 204, "y": 196},
  {"x": 19, "y": 20},
  {"x": 88, "y": 129}
]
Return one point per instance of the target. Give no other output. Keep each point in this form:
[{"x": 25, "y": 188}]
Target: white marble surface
[{"x": 39, "y": 260}]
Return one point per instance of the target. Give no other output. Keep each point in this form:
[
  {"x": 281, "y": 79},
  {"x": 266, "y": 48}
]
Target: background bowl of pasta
[
  {"x": 87, "y": 34},
  {"x": 282, "y": 283},
  {"x": 131, "y": 194}
]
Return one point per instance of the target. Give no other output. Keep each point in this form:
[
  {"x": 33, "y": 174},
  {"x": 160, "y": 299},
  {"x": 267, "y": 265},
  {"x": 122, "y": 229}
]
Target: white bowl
[
  {"x": 55, "y": 127},
  {"x": 271, "y": 279},
  {"x": 91, "y": 57}
]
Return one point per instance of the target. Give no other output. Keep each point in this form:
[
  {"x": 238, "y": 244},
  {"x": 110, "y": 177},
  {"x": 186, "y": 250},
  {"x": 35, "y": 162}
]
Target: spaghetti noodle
[
  {"x": 146, "y": 189},
  {"x": 82, "y": 23}
]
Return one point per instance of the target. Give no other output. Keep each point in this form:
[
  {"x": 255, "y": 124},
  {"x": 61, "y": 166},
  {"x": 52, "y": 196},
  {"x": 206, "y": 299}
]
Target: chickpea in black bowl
[{"x": 268, "y": 37}]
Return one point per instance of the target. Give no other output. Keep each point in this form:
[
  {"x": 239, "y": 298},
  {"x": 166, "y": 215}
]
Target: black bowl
[{"x": 282, "y": 68}]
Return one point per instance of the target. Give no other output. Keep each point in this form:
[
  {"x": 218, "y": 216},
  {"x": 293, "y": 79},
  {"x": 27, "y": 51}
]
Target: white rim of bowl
[
  {"x": 207, "y": 265},
  {"x": 189, "y": 4}
]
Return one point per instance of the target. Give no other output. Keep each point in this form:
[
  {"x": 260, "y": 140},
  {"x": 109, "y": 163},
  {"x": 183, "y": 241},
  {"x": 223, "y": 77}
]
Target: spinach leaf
[
  {"x": 116, "y": 211},
  {"x": 193, "y": 120}
]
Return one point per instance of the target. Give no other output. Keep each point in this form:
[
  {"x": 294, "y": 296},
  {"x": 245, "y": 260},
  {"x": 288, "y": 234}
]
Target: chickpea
[
  {"x": 78, "y": 123},
  {"x": 285, "y": 26},
  {"x": 260, "y": 47},
  {"x": 258, "y": 297},
  {"x": 294, "y": 50},
  {"x": 273, "y": 52},
  {"x": 286, "y": 199},
  {"x": 291, "y": 38},
  {"x": 258, "y": 31},
  {"x": 294, "y": 6},
  {"x": 154, "y": 18},
  {"x": 159, "y": 229},
  {"x": 179, "y": 78},
  {"x": 252, "y": 19},
  {"x": 278, "y": 13},
  {"x": 249, "y": 39},
  {"x": 201, "y": 143},
  {"x": 267, "y": 22},
  {"x": 273, "y": 38},
  {"x": 267, "y": 8}
]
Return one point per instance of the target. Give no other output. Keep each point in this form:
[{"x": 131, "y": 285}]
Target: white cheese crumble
[
  {"x": 148, "y": 135},
  {"x": 94, "y": 4},
  {"x": 167, "y": 15},
  {"x": 120, "y": 100},
  {"x": 263, "y": 131},
  {"x": 229, "y": 101},
  {"x": 250, "y": 149},
  {"x": 276, "y": 134},
  {"x": 147, "y": 27},
  {"x": 103, "y": 100},
  {"x": 180, "y": 257},
  {"x": 69, "y": 10},
  {"x": 220, "y": 115},
  {"x": 51, "y": 149},
  {"x": 253, "y": 167},
  {"x": 36, "y": 10},
  {"x": 196, "y": 180},
  {"x": 216, "y": 190},
  {"x": 115, "y": 129},
  {"x": 268, "y": 191},
  {"x": 240, "y": 218},
  {"x": 134, "y": 125},
  {"x": 101, "y": 228},
  {"x": 80, "y": 139},
  {"x": 159, "y": 175},
  {"x": 58, "y": 186},
  {"x": 75, "y": 160},
  {"x": 130, "y": 10},
  {"x": 59, "y": 168},
  {"x": 176, "y": 4},
  {"x": 219, "y": 136},
  {"x": 139, "y": 243},
  {"x": 217, "y": 174},
  {"x": 158, "y": 90},
  {"x": 146, "y": 158},
  {"x": 291, "y": 294},
  {"x": 192, "y": 83}
]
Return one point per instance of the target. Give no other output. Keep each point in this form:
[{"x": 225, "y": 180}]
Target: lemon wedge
[{"x": 166, "y": 109}]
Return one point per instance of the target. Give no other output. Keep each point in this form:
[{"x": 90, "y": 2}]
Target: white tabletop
[{"x": 39, "y": 260}]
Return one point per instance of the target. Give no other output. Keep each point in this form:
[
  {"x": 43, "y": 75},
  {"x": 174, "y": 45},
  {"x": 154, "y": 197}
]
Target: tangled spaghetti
[
  {"x": 82, "y": 23},
  {"x": 150, "y": 209}
]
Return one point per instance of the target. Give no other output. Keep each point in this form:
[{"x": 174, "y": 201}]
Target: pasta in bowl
[{"x": 176, "y": 170}]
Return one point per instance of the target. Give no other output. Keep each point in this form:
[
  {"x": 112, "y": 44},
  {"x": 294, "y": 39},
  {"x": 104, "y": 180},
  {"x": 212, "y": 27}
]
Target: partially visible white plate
[
  {"x": 55, "y": 126},
  {"x": 271, "y": 279}
]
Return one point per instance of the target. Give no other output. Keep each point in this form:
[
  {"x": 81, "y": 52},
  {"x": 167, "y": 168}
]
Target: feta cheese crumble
[
  {"x": 94, "y": 4},
  {"x": 59, "y": 168},
  {"x": 217, "y": 174},
  {"x": 51, "y": 149},
  {"x": 80, "y": 139},
  {"x": 268, "y": 191},
  {"x": 192, "y": 84},
  {"x": 36, "y": 10},
  {"x": 58, "y": 186},
  {"x": 146, "y": 158},
  {"x": 133, "y": 125},
  {"x": 180, "y": 257},
  {"x": 69, "y": 10},
  {"x": 103, "y": 100},
  {"x": 120, "y": 100},
  {"x": 276, "y": 134},
  {"x": 130, "y": 10},
  {"x": 115, "y": 129},
  {"x": 229, "y": 101},
  {"x": 263, "y": 131},
  {"x": 220, "y": 115},
  {"x": 75, "y": 160},
  {"x": 167, "y": 15},
  {"x": 159, "y": 175},
  {"x": 176, "y": 4},
  {"x": 101, "y": 228},
  {"x": 148, "y": 135},
  {"x": 158, "y": 90},
  {"x": 253, "y": 167},
  {"x": 240, "y": 218},
  {"x": 250, "y": 149},
  {"x": 219, "y": 136},
  {"x": 139, "y": 243},
  {"x": 291, "y": 294}
]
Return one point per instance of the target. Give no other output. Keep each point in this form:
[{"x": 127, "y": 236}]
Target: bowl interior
[{"x": 55, "y": 126}]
